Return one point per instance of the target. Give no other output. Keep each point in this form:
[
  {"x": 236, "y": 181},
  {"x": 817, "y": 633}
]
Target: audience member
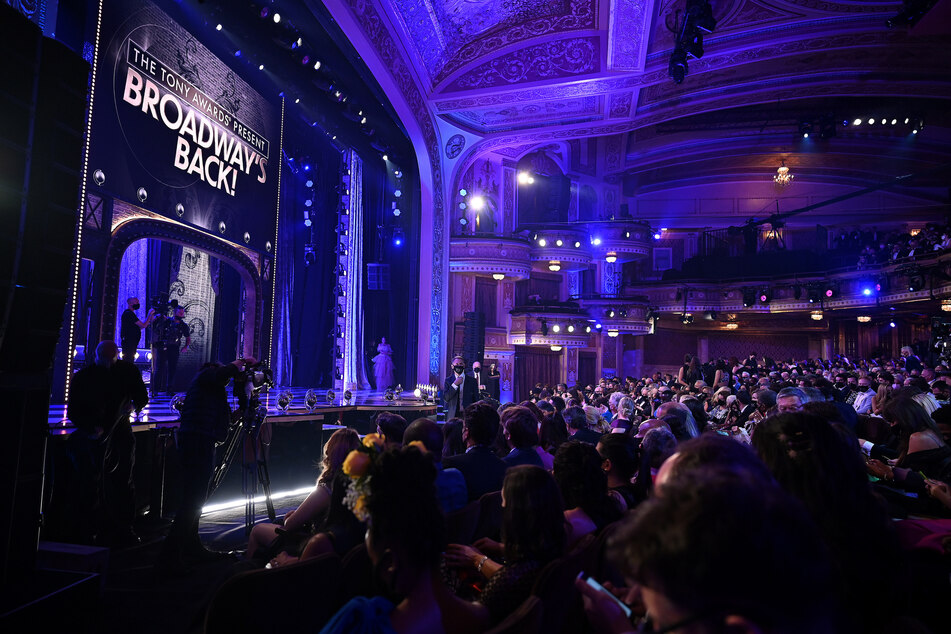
[
  {"x": 450, "y": 483},
  {"x": 482, "y": 469}
]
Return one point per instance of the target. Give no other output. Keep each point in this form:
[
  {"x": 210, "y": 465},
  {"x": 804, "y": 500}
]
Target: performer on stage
[
  {"x": 166, "y": 345},
  {"x": 383, "y": 368},
  {"x": 131, "y": 329},
  {"x": 459, "y": 391},
  {"x": 493, "y": 382}
]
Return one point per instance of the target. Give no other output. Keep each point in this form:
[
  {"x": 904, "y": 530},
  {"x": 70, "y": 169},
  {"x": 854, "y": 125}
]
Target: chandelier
[
  {"x": 732, "y": 326},
  {"x": 864, "y": 319},
  {"x": 946, "y": 305},
  {"x": 783, "y": 176},
  {"x": 554, "y": 265},
  {"x": 816, "y": 315}
]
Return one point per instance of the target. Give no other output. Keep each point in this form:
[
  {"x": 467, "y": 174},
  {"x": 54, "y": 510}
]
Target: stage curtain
[
  {"x": 132, "y": 282},
  {"x": 354, "y": 371},
  {"x": 282, "y": 357},
  {"x": 534, "y": 365}
]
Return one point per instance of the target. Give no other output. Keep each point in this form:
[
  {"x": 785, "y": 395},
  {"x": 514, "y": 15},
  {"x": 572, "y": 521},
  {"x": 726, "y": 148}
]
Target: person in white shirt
[{"x": 863, "y": 400}]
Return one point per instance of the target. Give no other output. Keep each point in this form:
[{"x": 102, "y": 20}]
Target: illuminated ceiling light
[
  {"x": 577, "y": 244},
  {"x": 317, "y": 65},
  {"x": 894, "y": 121},
  {"x": 587, "y": 328},
  {"x": 218, "y": 27},
  {"x": 386, "y": 158},
  {"x": 498, "y": 276},
  {"x": 556, "y": 348},
  {"x": 558, "y": 242},
  {"x": 556, "y": 328},
  {"x": 857, "y": 122},
  {"x": 398, "y": 192},
  {"x": 906, "y": 120},
  {"x": 554, "y": 265},
  {"x": 611, "y": 257},
  {"x": 571, "y": 328},
  {"x": 524, "y": 178},
  {"x": 297, "y": 100},
  {"x": 657, "y": 236},
  {"x": 613, "y": 333},
  {"x": 732, "y": 326},
  {"x": 946, "y": 305},
  {"x": 611, "y": 313},
  {"x": 892, "y": 324},
  {"x": 277, "y": 18},
  {"x": 463, "y": 192},
  {"x": 596, "y": 241},
  {"x": 871, "y": 121},
  {"x": 542, "y": 242},
  {"x": 864, "y": 319},
  {"x": 363, "y": 120},
  {"x": 261, "y": 67},
  {"x": 783, "y": 176},
  {"x": 816, "y": 315},
  {"x": 477, "y": 203}
]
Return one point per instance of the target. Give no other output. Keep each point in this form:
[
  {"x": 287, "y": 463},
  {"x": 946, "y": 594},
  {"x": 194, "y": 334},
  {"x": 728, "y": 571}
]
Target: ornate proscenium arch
[{"x": 137, "y": 229}]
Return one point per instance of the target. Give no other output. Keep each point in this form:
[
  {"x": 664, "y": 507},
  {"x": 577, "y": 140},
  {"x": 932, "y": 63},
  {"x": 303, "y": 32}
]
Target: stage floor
[{"x": 159, "y": 413}]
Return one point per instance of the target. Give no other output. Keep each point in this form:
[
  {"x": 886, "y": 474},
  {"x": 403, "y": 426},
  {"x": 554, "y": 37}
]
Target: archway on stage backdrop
[{"x": 193, "y": 246}]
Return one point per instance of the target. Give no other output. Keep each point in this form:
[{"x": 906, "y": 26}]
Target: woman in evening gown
[{"x": 383, "y": 368}]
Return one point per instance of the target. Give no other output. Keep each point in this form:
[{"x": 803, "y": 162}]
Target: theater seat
[
  {"x": 555, "y": 587},
  {"x": 490, "y": 517},
  {"x": 527, "y": 619},
  {"x": 461, "y": 524},
  {"x": 277, "y": 600}
]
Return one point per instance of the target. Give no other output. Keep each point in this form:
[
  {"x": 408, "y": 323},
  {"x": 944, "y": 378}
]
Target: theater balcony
[
  {"x": 921, "y": 284},
  {"x": 561, "y": 250},
  {"x": 618, "y": 315},
  {"x": 554, "y": 325},
  {"x": 491, "y": 255}
]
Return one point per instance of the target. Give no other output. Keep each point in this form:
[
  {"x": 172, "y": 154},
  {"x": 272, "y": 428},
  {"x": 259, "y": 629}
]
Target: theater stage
[{"x": 357, "y": 413}]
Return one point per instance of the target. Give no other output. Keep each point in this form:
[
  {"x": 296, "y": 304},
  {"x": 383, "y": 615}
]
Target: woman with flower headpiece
[{"x": 396, "y": 491}]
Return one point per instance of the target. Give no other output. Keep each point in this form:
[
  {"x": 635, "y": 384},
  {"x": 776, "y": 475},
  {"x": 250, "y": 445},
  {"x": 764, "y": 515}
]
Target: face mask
[
  {"x": 863, "y": 388},
  {"x": 458, "y": 369},
  {"x": 839, "y": 384},
  {"x": 477, "y": 369},
  {"x": 135, "y": 307}
]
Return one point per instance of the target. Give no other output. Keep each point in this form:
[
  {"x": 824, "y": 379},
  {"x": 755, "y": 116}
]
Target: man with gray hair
[{"x": 790, "y": 399}]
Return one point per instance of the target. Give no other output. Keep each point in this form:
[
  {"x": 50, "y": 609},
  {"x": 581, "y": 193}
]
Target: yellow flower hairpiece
[{"x": 419, "y": 445}]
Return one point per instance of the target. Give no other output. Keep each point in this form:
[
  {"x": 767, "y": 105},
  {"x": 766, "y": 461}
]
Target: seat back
[
  {"x": 461, "y": 524},
  {"x": 527, "y": 619},
  {"x": 490, "y": 517},
  {"x": 273, "y": 600},
  {"x": 555, "y": 587}
]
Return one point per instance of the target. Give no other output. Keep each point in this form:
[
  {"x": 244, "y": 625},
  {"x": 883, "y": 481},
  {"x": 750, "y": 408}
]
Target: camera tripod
[{"x": 244, "y": 435}]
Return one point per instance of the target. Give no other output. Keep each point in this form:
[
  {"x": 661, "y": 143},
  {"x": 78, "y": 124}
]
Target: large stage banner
[{"x": 178, "y": 132}]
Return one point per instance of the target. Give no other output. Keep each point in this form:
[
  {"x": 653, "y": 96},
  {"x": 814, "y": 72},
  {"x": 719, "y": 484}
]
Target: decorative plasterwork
[
  {"x": 490, "y": 255},
  {"x": 518, "y": 116},
  {"x": 559, "y": 59},
  {"x": 629, "y": 34}
]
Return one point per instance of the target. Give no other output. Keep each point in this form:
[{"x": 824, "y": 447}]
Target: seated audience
[
  {"x": 450, "y": 483},
  {"x": 619, "y": 453},
  {"x": 405, "y": 538},
  {"x": 453, "y": 445},
  {"x": 314, "y": 506},
  {"x": 482, "y": 469},
  {"x": 584, "y": 489},
  {"x": 391, "y": 426},
  {"x": 578, "y": 426},
  {"x": 519, "y": 427},
  {"x": 533, "y": 534}
]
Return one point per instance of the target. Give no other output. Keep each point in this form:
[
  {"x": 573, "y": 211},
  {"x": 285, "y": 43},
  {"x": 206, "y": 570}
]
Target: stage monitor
[{"x": 178, "y": 132}]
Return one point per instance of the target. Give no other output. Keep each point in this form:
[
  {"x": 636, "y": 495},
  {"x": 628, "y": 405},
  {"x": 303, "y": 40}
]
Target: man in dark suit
[
  {"x": 578, "y": 426},
  {"x": 460, "y": 390},
  {"x": 482, "y": 469},
  {"x": 521, "y": 433}
]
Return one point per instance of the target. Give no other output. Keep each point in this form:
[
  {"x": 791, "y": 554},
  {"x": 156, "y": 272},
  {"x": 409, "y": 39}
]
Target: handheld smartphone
[{"x": 597, "y": 586}]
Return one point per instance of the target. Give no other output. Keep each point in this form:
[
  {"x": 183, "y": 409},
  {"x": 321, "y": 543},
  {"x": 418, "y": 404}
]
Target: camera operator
[
  {"x": 166, "y": 345},
  {"x": 206, "y": 417}
]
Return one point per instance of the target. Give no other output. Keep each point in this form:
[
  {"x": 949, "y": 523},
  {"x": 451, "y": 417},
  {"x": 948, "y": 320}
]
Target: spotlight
[
  {"x": 571, "y": 328},
  {"x": 398, "y": 192},
  {"x": 398, "y": 237},
  {"x": 866, "y": 291},
  {"x": 871, "y": 121},
  {"x": 463, "y": 192},
  {"x": 277, "y": 18},
  {"x": 765, "y": 296},
  {"x": 317, "y": 65},
  {"x": 477, "y": 203},
  {"x": 463, "y": 221},
  {"x": 398, "y": 174},
  {"x": 261, "y": 67},
  {"x": 218, "y": 27},
  {"x": 142, "y": 194},
  {"x": 307, "y": 222},
  {"x": 577, "y": 244},
  {"x": 596, "y": 241},
  {"x": 396, "y": 212},
  {"x": 524, "y": 178},
  {"x": 891, "y": 324},
  {"x": 657, "y": 236},
  {"x": 677, "y": 68},
  {"x": 830, "y": 291},
  {"x": 308, "y": 203},
  {"x": 99, "y": 176},
  {"x": 805, "y": 129},
  {"x": 542, "y": 242},
  {"x": 558, "y": 242},
  {"x": 297, "y": 43},
  {"x": 556, "y": 328},
  {"x": 237, "y": 53}
]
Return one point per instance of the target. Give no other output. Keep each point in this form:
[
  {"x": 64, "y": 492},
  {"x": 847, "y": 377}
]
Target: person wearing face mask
[
  {"x": 480, "y": 378},
  {"x": 459, "y": 391},
  {"x": 130, "y": 331},
  {"x": 863, "y": 400},
  {"x": 166, "y": 346}
]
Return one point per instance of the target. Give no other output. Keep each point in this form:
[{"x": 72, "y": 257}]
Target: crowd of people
[
  {"x": 876, "y": 247},
  {"x": 743, "y": 495}
]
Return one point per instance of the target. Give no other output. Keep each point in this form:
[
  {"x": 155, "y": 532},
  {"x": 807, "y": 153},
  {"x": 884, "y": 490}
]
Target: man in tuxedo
[
  {"x": 493, "y": 382},
  {"x": 482, "y": 469},
  {"x": 481, "y": 380},
  {"x": 459, "y": 390}
]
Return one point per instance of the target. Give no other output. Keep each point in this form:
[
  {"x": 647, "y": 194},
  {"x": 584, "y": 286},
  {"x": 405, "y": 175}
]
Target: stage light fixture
[
  {"x": 463, "y": 192},
  {"x": 308, "y": 183},
  {"x": 298, "y": 101},
  {"x": 398, "y": 193},
  {"x": 749, "y": 297},
  {"x": 218, "y": 27},
  {"x": 237, "y": 53},
  {"x": 260, "y": 66},
  {"x": 571, "y": 328},
  {"x": 317, "y": 65},
  {"x": 265, "y": 11},
  {"x": 277, "y": 18},
  {"x": 542, "y": 242},
  {"x": 398, "y": 174},
  {"x": 596, "y": 241},
  {"x": 611, "y": 257},
  {"x": 396, "y": 212},
  {"x": 556, "y": 328},
  {"x": 558, "y": 242},
  {"x": 142, "y": 194},
  {"x": 587, "y": 328},
  {"x": 308, "y": 203},
  {"x": 892, "y": 324},
  {"x": 765, "y": 296},
  {"x": 613, "y": 333},
  {"x": 386, "y": 158},
  {"x": 677, "y": 68},
  {"x": 398, "y": 237},
  {"x": 871, "y": 121},
  {"x": 463, "y": 206},
  {"x": 857, "y": 122},
  {"x": 577, "y": 244},
  {"x": 477, "y": 203},
  {"x": 657, "y": 236},
  {"x": 830, "y": 291},
  {"x": 99, "y": 176}
]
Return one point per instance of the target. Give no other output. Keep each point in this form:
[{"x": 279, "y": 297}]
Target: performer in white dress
[{"x": 383, "y": 368}]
